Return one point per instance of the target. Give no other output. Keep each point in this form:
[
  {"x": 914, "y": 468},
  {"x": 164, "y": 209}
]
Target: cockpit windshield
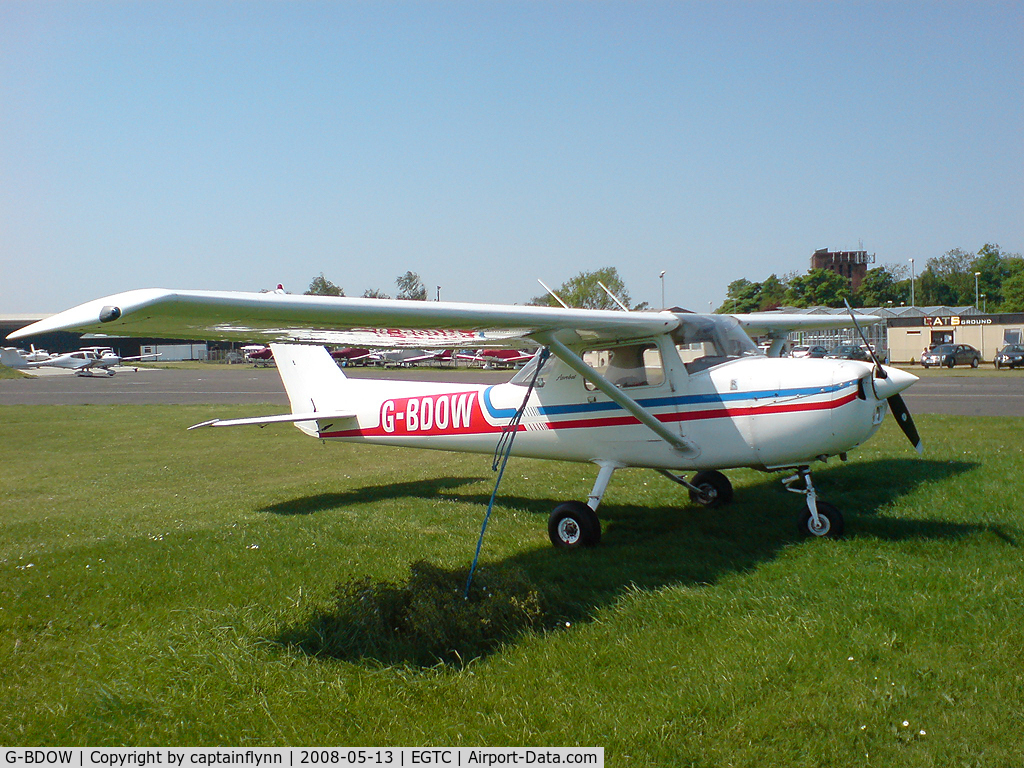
[{"x": 707, "y": 340}]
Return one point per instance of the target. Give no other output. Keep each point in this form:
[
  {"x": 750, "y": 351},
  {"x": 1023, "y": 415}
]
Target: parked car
[
  {"x": 808, "y": 351},
  {"x": 1010, "y": 356},
  {"x": 952, "y": 354},
  {"x": 849, "y": 352}
]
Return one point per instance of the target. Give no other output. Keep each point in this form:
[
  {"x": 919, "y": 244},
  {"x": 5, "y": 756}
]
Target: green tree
[
  {"x": 745, "y": 296},
  {"x": 584, "y": 291},
  {"x": 321, "y": 286},
  {"x": 819, "y": 287},
  {"x": 879, "y": 287},
  {"x": 411, "y": 287},
  {"x": 374, "y": 293},
  {"x": 948, "y": 279},
  {"x": 996, "y": 269},
  {"x": 741, "y": 296},
  {"x": 1013, "y": 292},
  {"x": 773, "y": 293}
]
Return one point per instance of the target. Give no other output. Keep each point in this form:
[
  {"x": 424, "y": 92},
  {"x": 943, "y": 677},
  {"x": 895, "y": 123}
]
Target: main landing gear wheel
[
  {"x": 574, "y": 524},
  {"x": 830, "y": 519},
  {"x": 715, "y": 488}
]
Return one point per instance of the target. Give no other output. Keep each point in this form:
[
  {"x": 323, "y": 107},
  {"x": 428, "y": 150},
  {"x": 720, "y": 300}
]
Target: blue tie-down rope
[{"x": 501, "y": 455}]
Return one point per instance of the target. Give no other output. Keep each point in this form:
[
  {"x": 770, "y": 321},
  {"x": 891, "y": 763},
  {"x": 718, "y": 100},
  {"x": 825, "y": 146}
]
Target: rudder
[{"x": 312, "y": 379}]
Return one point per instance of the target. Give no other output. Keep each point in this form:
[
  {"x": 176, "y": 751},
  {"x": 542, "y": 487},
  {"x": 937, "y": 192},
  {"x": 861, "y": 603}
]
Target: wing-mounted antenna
[
  {"x": 614, "y": 298},
  {"x": 553, "y": 295}
]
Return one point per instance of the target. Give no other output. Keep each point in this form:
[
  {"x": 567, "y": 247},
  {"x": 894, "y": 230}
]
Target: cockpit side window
[{"x": 634, "y": 365}]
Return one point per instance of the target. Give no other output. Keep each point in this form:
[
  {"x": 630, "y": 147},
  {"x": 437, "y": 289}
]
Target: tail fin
[
  {"x": 313, "y": 380},
  {"x": 9, "y": 356}
]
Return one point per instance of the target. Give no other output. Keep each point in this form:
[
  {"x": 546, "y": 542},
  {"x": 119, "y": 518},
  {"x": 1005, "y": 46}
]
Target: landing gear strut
[
  {"x": 821, "y": 519},
  {"x": 708, "y": 487}
]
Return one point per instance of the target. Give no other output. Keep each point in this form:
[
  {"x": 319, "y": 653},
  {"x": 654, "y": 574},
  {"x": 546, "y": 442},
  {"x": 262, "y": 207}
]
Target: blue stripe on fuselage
[{"x": 716, "y": 398}]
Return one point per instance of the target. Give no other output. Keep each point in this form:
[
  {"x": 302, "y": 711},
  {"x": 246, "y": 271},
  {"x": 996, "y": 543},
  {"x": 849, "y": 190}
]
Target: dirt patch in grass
[{"x": 426, "y": 621}]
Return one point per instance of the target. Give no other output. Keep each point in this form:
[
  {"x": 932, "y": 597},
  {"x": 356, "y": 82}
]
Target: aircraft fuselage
[{"x": 744, "y": 413}]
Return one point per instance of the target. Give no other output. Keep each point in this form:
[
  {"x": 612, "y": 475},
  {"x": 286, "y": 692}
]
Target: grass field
[
  {"x": 149, "y": 577},
  {"x": 11, "y": 373}
]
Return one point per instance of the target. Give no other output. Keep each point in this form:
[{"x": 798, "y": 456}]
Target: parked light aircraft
[
  {"x": 13, "y": 357},
  {"x": 405, "y": 357},
  {"x": 349, "y": 355},
  {"x": 88, "y": 360},
  {"x": 259, "y": 355},
  {"x": 493, "y": 358},
  {"x": 672, "y": 391}
]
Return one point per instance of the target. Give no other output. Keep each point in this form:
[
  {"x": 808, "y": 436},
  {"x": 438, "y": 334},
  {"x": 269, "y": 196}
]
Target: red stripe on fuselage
[{"x": 708, "y": 413}]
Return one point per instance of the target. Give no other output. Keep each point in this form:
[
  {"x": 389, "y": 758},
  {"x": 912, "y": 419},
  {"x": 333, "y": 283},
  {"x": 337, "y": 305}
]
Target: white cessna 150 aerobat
[{"x": 672, "y": 391}]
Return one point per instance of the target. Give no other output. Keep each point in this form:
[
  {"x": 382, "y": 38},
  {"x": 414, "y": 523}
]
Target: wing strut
[{"x": 645, "y": 417}]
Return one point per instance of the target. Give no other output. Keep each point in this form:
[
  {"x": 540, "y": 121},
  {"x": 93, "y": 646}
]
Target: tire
[
  {"x": 716, "y": 487},
  {"x": 573, "y": 525},
  {"x": 951, "y": 363},
  {"x": 975, "y": 362},
  {"x": 832, "y": 520}
]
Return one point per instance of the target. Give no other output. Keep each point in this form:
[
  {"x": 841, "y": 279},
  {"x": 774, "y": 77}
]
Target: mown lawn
[{"x": 149, "y": 578}]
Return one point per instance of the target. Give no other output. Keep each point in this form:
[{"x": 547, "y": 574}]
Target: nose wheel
[
  {"x": 820, "y": 519},
  {"x": 829, "y": 524}
]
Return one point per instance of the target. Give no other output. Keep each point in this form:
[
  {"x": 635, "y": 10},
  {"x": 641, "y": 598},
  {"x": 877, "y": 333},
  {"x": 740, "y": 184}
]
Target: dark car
[
  {"x": 1010, "y": 356},
  {"x": 950, "y": 355},
  {"x": 849, "y": 352}
]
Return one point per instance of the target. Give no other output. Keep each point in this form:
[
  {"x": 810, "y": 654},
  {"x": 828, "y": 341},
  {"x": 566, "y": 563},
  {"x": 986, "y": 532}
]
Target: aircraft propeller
[{"x": 896, "y": 403}]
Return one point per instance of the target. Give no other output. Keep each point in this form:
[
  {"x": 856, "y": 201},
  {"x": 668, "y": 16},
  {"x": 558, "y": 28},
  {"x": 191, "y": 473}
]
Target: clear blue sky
[{"x": 237, "y": 145}]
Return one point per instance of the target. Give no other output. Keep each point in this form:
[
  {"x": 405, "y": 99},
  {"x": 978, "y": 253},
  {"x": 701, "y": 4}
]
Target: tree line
[
  {"x": 584, "y": 290},
  {"x": 410, "y": 287},
  {"x": 947, "y": 280}
]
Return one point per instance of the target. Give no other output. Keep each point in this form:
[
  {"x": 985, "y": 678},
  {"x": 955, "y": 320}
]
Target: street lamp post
[
  {"x": 439, "y": 293},
  {"x": 976, "y": 276},
  {"x": 911, "y": 282},
  {"x": 662, "y": 278}
]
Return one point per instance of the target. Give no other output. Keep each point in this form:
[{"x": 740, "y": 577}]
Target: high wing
[
  {"x": 275, "y": 318},
  {"x": 271, "y": 317},
  {"x": 780, "y": 323}
]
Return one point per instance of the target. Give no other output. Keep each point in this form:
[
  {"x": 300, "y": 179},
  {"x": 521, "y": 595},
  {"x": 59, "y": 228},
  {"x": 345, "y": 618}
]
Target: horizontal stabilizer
[{"x": 282, "y": 418}]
